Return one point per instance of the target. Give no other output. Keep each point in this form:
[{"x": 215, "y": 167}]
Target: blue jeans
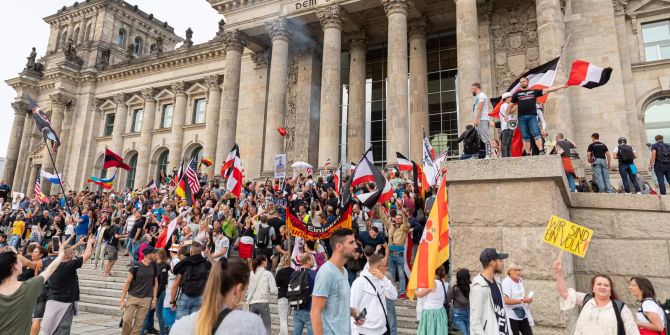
[
  {"x": 662, "y": 176},
  {"x": 15, "y": 241},
  {"x": 601, "y": 174},
  {"x": 135, "y": 252},
  {"x": 461, "y": 319},
  {"x": 187, "y": 305},
  {"x": 571, "y": 182},
  {"x": 78, "y": 237},
  {"x": 625, "y": 172},
  {"x": 149, "y": 320},
  {"x": 301, "y": 319},
  {"x": 396, "y": 264},
  {"x": 391, "y": 317},
  {"x": 529, "y": 127}
]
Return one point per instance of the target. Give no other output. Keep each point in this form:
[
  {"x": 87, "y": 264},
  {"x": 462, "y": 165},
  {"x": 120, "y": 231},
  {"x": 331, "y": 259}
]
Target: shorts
[
  {"x": 112, "y": 252},
  {"x": 38, "y": 311},
  {"x": 529, "y": 127}
]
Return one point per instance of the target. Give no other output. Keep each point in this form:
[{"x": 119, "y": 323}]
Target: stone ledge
[
  {"x": 473, "y": 170},
  {"x": 621, "y": 201}
]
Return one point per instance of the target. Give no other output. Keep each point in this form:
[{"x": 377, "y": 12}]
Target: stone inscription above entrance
[{"x": 293, "y": 7}]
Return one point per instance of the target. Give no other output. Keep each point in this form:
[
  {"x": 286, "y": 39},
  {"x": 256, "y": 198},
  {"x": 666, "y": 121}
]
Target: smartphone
[
  {"x": 362, "y": 315},
  {"x": 531, "y": 294},
  {"x": 55, "y": 241}
]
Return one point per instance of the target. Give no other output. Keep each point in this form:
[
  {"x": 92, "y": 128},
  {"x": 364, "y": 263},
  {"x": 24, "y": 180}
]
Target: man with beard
[
  {"x": 525, "y": 101},
  {"x": 487, "y": 310}
]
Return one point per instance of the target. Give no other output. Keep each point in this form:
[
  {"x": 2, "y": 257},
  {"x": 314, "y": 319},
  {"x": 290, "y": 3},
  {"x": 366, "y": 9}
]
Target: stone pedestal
[
  {"x": 178, "y": 120},
  {"x": 144, "y": 150},
  {"x": 331, "y": 18},
  {"x": 467, "y": 48},
  {"x": 356, "y": 116},
  {"x": 418, "y": 87}
]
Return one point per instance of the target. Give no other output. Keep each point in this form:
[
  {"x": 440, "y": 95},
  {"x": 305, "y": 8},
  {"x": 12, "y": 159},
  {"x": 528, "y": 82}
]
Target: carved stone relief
[
  {"x": 515, "y": 43},
  {"x": 291, "y": 106}
]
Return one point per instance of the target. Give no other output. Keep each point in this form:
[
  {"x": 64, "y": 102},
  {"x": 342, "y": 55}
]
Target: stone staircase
[{"x": 101, "y": 295}]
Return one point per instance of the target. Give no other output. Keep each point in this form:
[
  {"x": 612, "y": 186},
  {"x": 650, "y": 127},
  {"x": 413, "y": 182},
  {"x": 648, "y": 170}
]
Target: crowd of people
[{"x": 228, "y": 259}]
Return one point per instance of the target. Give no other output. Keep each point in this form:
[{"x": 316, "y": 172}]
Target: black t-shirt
[
  {"x": 527, "y": 100},
  {"x": 64, "y": 282},
  {"x": 498, "y": 306},
  {"x": 598, "y": 149},
  {"x": 565, "y": 146},
  {"x": 275, "y": 223},
  {"x": 138, "y": 225},
  {"x": 110, "y": 235}
]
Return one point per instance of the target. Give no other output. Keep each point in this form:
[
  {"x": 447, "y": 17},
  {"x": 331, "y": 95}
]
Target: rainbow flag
[
  {"x": 433, "y": 248},
  {"x": 105, "y": 183}
]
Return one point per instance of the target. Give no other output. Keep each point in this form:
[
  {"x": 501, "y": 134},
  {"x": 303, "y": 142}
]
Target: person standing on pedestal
[{"x": 481, "y": 113}]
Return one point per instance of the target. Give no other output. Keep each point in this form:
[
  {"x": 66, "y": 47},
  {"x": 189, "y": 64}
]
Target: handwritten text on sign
[{"x": 568, "y": 236}]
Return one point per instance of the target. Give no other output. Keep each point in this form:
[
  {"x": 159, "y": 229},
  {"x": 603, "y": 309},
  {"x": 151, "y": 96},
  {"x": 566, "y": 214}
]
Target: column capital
[
  {"x": 94, "y": 103},
  {"x": 418, "y": 28},
  {"x": 148, "y": 93},
  {"x": 20, "y": 107},
  {"x": 59, "y": 100},
  {"x": 261, "y": 59},
  {"x": 179, "y": 87},
  {"x": 212, "y": 81},
  {"x": 357, "y": 40},
  {"x": 396, "y": 6},
  {"x": 120, "y": 99},
  {"x": 484, "y": 10},
  {"x": 620, "y": 7},
  {"x": 279, "y": 29},
  {"x": 331, "y": 16},
  {"x": 235, "y": 40}
]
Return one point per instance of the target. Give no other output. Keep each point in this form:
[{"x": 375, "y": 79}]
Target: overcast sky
[{"x": 24, "y": 28}]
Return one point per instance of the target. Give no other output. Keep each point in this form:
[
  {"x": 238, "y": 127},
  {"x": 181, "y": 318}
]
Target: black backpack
[
  {"x": 298, "y": 294},
  {"x": 471, "y": 142},
  {"x": 626, "y": 154},
  {"x": 663, "y": 154},
  {"x": 618, "y": 307},
  {"x": 194, "y": 279},
  {"x": 666, "y": 315},
  {"x": 263, "y": 237}
]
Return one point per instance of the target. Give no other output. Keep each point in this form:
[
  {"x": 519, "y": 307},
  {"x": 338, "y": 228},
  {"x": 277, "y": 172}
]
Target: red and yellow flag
[{"x": 433, "y": 248}]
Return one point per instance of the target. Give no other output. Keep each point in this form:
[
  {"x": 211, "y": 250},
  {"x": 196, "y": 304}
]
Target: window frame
[
  {"x": 134, "y": 127},
  {"x": 163, "y": 124},
  {"x": 108, "y": 128},
  {"x": 194, "y": 115},
  {"x": 656, "y": 45}
]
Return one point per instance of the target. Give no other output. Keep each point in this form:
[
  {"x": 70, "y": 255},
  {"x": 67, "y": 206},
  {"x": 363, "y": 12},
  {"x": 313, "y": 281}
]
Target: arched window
[
  {"x": 87, "y": 36},
  {"x": 197, "y": 154},
  {"x": 58, "y": 40},
  {"x": 75, "y": 37},
  {"x": 121, "y": 37},
  {"x": 162, "y": 165},
  {"x": 130, "y": 181},
  {"x": 63, "y": 39},
  {"x": 139, "y": 45},
  {"x": 657, "y": 119}
]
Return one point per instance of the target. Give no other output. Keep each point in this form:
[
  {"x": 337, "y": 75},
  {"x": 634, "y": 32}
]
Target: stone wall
[{"x": 506, "y": 204}]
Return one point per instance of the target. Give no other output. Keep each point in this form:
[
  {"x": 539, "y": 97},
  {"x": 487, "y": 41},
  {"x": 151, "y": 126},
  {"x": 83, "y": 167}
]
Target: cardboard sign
[
  {"x": 568, "y": 236},
  {"x": 280, "y": 166}
]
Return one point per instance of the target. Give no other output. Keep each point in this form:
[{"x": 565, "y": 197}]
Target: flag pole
[{"x": 67, "y": 203}]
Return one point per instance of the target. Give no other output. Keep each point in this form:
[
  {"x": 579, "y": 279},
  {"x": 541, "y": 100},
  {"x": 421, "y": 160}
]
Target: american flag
[
  {"x": 38, "y": 191},
  {"x": 192, "y": 177}
]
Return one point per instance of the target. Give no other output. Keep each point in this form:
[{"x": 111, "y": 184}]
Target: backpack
[
  {"x": 626, "y": 154},
  {"x": 618, "y": 307},
  {"x": 666, "y": 313},
  {"x": 663, "y": 154},
  {"x": 298, "y": 294},
  {"x": 194, "y": 279},
  {"x": 263, "y": 237},
  {"x": 471, "y": 142}
]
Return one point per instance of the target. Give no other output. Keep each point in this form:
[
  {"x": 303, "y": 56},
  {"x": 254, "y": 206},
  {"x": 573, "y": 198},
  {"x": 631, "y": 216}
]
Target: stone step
[
  {"x": 101, "y": 284},
  {"x": 115, "y": 273},
  {"x": 101, "y": 278},
  {"x": 113, "y": 311}
]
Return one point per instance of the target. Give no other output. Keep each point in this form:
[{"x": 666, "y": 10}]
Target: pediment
[
  {"x": 196, "y": 88},
  {"x": 646, "y": 6},
  {"x": 108, "y": 104},
  {"x": 164, "y": 95},
  {"x": 135, "y": 100}
]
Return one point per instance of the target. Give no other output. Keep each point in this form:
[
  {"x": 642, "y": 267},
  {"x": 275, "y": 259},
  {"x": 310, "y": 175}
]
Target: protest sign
[
  {"x": 280, "y": 166},
  {"x": 568, "y": 236}
]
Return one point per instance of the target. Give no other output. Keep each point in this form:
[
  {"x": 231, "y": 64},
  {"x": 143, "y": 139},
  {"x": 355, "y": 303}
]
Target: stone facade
[{"x": 287, "y": 64}]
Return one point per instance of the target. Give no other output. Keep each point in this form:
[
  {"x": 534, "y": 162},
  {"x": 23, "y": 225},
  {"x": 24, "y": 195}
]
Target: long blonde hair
[{"x": 223, "y": 277}]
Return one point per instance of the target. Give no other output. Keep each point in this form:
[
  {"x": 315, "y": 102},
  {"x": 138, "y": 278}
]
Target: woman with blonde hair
[
  {"x": 517, "y": 301},
  {"x": 218, "y": 315}
]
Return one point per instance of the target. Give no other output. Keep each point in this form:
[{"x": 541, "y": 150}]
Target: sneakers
[
  {"x": 638, "y": 193},
  {"x": 542, "y": 153}
]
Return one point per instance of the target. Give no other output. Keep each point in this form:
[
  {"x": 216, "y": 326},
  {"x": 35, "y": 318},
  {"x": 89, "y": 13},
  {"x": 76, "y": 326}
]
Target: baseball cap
[
  {"x": 491, "y": 254},
  {"x": 506, "y": 95},
  {"x": 149, "y": 250},
  {"x": 174, "y": 248}
]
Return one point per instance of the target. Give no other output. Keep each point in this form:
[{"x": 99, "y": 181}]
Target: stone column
[
  {"x": 356, "y": 116},
  {"x": 30, "y": 189},
  {"x": 120, "y": 118},
  {"x": 235, "y": 42},
  {"x": 22, "y": 159},
  {"x": 331, "y": 18},
  {"x": 148, "y": 118},
  {"x": 467, "y": 49},
  {"x": 212, "y": 115},
  {"x": 551, "y": 37},
  {"x": 418, "y": 87},
  {"x": 276, "y": 105},
  {"x": 397, "y": 118},
  {"x": 58, "y": 103},
  {"x": 15, "y": 139},
  {"x": 178, "y": 119}
]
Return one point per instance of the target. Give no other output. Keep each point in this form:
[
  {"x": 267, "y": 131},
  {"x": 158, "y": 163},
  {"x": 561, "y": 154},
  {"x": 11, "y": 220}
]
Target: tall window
[
  {"x": 139, "y": 45},
  {"x": 137, "y": 120},
  {"x": 121, "y": 37},
  {"x": 166, "y": 116},
  {"x": 162, "y": 164},
  {"x": 130, "y": 181},
  {"x": 63, "y": 39},
  {"x": 198, "y": 111},
  {"x": 656, "y": 37},
  {"x": 657, "y": 119},
  {"x": 442, "y": 97},
  {"x": 109, "y": 125},
  {"x": 87, "y": 36},
  {"x": 76, "y": 35}
]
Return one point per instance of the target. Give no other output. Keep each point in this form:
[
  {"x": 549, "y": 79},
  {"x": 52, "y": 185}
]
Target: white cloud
[{"x": 24, "y": 28}]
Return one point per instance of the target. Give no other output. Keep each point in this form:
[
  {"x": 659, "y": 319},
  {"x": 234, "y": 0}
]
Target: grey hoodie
[{"x": 482, "y": 316}]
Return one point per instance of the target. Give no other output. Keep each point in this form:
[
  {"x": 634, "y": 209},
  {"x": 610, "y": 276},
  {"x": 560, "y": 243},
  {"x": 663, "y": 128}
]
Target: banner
[
  {"x": 568, "y": 236},
  {"x": 280, "y": 166},
  {"x": 307, "y": 232}
]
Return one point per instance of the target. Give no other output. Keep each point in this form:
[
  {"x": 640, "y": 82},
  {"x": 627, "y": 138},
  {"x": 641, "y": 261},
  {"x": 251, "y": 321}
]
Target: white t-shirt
[
  {"x": 221, "y": 243},
  {"x": 436, "y": 298},
  {"x": 503, "y": 116},
  {"x": 650, "y": 307},
  {"x": 69, "y": 229},
  {"x": 481, "y": 98},
  {"x": 513, "y": 290}
]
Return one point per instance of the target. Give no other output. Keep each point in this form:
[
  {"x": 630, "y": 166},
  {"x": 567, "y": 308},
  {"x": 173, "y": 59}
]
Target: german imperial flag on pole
[
  {"x": 433, "y": 248},
  {"x": 114, "y": 160}
]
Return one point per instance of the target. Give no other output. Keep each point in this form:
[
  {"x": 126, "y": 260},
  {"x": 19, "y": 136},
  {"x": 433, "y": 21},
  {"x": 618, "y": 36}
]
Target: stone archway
[
  {"x": 127, "y": 178},
  {"x": 159, "y": 161},
  {"x": 193, "y": 148}
]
